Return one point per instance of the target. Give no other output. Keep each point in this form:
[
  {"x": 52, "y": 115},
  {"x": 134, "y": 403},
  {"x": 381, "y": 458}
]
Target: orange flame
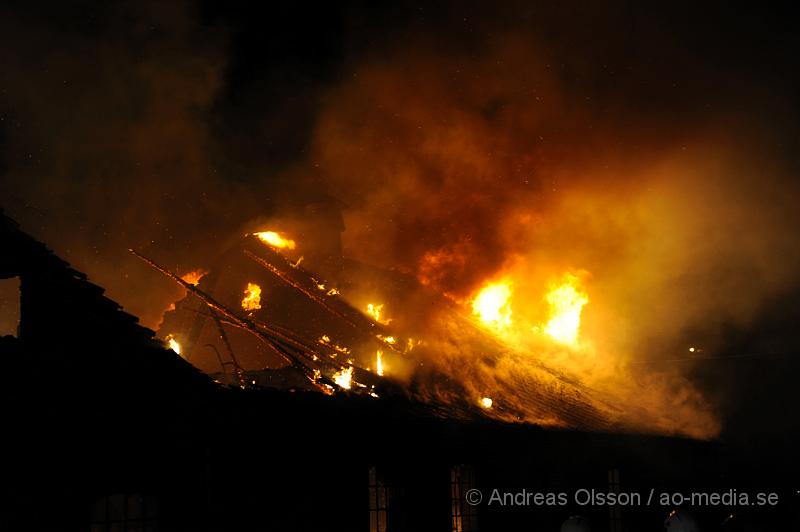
[
  {"x": 375, "y": 312},
  {"x": 344, "y": 378},
  {"x": 173, "y": 344},
  {"x": 194, "y": 276},
  {"x": 566, "y": 302},
  {"x": 252, "y": 297},
  {"x": 492, "y": 305},
  {"x": 275, "y": 239},
  {"x": 379, "y": 368}
]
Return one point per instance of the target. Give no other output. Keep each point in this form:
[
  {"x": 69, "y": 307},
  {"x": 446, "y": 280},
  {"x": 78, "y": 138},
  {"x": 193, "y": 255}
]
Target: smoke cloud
[{"x": 467, "y": 167}]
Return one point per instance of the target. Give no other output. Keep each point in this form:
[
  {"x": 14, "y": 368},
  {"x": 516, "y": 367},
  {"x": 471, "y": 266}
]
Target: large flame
[
  {"x": 252, "y": 297},
  {"x": 492, "y": 305},
  {"x": 275, "y": 239},
  {"x": 566, "y": 302}
]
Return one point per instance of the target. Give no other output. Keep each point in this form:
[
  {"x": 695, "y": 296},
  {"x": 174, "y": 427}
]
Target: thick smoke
[
  {"x": 107, "y": 140},
  {"x": 467, "y": 167}
]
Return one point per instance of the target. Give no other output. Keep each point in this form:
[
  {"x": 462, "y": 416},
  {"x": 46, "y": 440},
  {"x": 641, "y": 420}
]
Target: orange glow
[
  {"x": 566, "y": 302},
  {"x": 276, "y": 240},
  {"x": 252, "y": 297},
  {"x": 492, "y": 305}
]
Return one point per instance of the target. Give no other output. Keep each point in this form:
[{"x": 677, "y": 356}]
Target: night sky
[{"x": 168, "y": 126}]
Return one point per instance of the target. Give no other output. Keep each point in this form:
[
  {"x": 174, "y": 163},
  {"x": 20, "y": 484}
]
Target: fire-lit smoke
[
  {"x": 111, "y": 145},
  {"x": 611, "y": 243}
]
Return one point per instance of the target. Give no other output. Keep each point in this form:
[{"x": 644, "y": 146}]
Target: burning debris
[{"x": 317, "y": 360}]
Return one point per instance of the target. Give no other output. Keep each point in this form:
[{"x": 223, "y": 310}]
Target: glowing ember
[
  {"x": 379, "y": 369},
  {"x": 375, "y": 312},
  {"x": 344, "y": 378},
  {"x": 173, "y": 344},
  {"x": 193, "y": 277},
  {"x": 326, "y": 340},
  {"x": 276, "y": 240},
  {"x": 566, "y": 303},
  {"x": 486, "y": 402},
  {"x": 252, "y": 297},
  {"x": 492, "y": 305}
]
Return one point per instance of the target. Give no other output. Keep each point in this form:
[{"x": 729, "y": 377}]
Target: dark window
[
  {"x": 9, "y": 306},
  {"x": 125, "y": 513},
  {"x": 614, "y": 512},
  {"x": 380, "y": 497},
  {"x": 464, "y": 517}
]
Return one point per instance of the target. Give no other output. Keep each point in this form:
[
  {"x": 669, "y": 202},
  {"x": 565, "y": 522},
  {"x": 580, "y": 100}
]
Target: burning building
[
  {"x": 112, "y": 429},
  {"x": 373, "y": 258}
]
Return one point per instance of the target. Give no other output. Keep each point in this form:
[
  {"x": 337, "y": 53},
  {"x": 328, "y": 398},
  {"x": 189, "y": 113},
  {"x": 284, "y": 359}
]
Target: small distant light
[
  {"x": 691, "y": 350},
  {"x": 486, "y": 402}
]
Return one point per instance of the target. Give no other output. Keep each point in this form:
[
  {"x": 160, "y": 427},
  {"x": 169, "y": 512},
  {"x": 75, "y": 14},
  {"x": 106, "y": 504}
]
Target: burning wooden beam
[
  {"x": 233, "y": 317},
  {"x": 355, "y": 320},
  {"x": 284, "y": 342}
]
